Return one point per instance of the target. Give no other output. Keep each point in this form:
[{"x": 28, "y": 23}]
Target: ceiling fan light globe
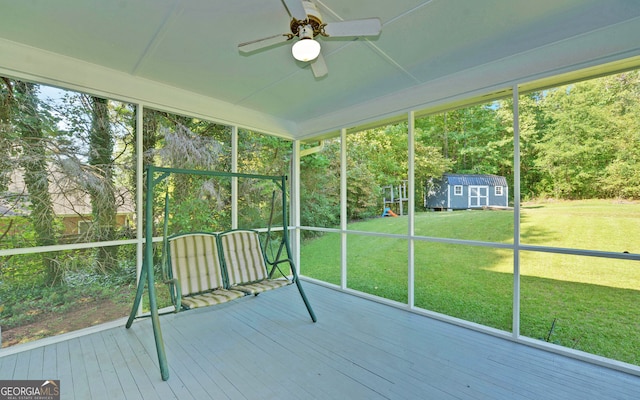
[{"x": 305, "y": 50}]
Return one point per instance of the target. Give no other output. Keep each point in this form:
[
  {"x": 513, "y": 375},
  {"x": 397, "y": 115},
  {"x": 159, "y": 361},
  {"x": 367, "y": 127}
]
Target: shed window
[
  {"x": 498, "y": 190},
  {"x": 457, "y": 190}
]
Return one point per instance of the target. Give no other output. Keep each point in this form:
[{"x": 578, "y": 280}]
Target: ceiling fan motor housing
[{"x": 313, "y": 19}]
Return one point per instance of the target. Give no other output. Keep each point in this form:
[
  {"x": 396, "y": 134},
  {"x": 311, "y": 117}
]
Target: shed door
[{"x": 478, "y": 196}]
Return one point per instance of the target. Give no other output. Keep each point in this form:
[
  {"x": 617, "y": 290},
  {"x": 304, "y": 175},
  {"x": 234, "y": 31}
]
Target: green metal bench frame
[{"x": 253, "y": 284}]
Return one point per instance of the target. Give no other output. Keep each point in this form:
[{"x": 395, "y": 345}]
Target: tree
[
  {"x": 7, "y": 136},
  {"x": 102, "y": 191},
  {"x": 197, "y": 202},
  {"x": 475, "y": 139},
  {"x": 320, "y": 187},
  {"x": 33, "y": 128},
  {"x": 622, "y": 175},
  {"x": 580, "y": 140},
  {"x": 533, "y": 121}
]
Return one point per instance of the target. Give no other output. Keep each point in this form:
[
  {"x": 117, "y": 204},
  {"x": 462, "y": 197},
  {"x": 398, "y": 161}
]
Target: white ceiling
[{"x": 182, "y": 54}]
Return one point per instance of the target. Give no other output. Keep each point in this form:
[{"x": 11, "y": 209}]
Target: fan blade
[
  {"x": 356, "y": 27},
  {"x": 319, "y": 67},
  {"x": 248, "y": 47},
  {"x": 295, "y": 9}
]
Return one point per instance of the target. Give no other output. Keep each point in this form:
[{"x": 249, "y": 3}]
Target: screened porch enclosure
[
  {"x": 504, "y": 301},
  {"x": 538, "y": 297}
]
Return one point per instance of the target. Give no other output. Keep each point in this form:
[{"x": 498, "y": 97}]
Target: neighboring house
[
  {"x": 69, "y": 203},
  {"x": 466, "y": 191}
]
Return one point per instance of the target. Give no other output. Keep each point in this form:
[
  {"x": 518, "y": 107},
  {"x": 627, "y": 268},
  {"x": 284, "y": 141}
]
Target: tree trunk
[
  {"x": 33, "y": 161},
  {"x": 103, "y": 199}
]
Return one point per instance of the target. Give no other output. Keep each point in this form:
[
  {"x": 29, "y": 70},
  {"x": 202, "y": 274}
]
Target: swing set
[{"x": 208, "y": 268}]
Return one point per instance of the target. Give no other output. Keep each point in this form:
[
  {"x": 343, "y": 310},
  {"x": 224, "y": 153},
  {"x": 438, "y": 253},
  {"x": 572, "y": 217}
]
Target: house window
[
  {"x": 498, "y": 190},
  {"x": 457, "y": 190},
  {"x": 83, "y": 227}
]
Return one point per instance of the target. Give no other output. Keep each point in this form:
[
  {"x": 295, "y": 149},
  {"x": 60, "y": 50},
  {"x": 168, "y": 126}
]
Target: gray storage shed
[{"x": 466, "y": 191}]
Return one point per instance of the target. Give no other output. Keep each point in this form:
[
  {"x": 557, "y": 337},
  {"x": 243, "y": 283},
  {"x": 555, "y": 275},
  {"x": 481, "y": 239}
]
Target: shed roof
[{"x": 473, "y": 179}]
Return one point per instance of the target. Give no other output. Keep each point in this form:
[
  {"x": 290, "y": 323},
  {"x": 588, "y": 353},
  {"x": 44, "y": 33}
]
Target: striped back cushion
[
  {"x": 243, "y": 257},
  {"x": 195, "y": 262}
]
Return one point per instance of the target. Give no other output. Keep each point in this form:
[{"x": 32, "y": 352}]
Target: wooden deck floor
[{"x": 268, "y": 348}]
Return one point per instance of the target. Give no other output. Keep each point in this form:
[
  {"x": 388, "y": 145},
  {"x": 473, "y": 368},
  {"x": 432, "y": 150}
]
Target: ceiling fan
[{"x": 306, "y": 24}]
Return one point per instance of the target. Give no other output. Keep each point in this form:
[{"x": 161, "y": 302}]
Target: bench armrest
[
  {"x": 274, "y": 266},
  {"x": 175, "y": 292}
]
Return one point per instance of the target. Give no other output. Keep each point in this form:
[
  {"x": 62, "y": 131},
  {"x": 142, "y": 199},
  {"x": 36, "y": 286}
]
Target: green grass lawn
[{"x": 595, "y": 302}]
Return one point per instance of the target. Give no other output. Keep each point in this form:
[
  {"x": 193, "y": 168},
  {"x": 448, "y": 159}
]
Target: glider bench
[{"x": 214, "y": 268}]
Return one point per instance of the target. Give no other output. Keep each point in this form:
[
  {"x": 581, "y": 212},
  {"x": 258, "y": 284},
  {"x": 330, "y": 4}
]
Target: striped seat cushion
[
  {"x": 211, "y": 298},
  {"x": 259, "y": 287},
  {"x": 195, "y": 263},
  {"x": 245, "y": 264}
]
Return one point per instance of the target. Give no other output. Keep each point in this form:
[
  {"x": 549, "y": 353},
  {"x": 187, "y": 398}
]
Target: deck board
[
  {"x": 266, "y": 347},
  {"x": 62, "y": 369},
  {"x": 122, "y": 369}
]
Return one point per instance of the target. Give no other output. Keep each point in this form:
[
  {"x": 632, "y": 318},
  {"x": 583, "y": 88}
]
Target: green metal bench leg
[
  {"x": 147, "y": 269},
  {"x": 155, "y": 320},
  {"x": 306, "y": 301},
  {"x": 136, "y": 302},
  {"x": 157, "y": 333}
]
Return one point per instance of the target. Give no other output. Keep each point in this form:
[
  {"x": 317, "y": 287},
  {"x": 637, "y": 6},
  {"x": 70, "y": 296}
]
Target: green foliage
[
  {"x": 320, "y": 187},
  {"x": 589, "y": 144},
  {"x": 363, "y": 192},
  {"x": 24, "y": 304},
  {"x": 193, "y": 215},
  {"x": 321, "y": 211},
  {"x": 25, "y": 295},
  {"x": 19, "y": 270},
  {"x": 475, "y": 139},
  {"x": 263, "y": 154}
]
